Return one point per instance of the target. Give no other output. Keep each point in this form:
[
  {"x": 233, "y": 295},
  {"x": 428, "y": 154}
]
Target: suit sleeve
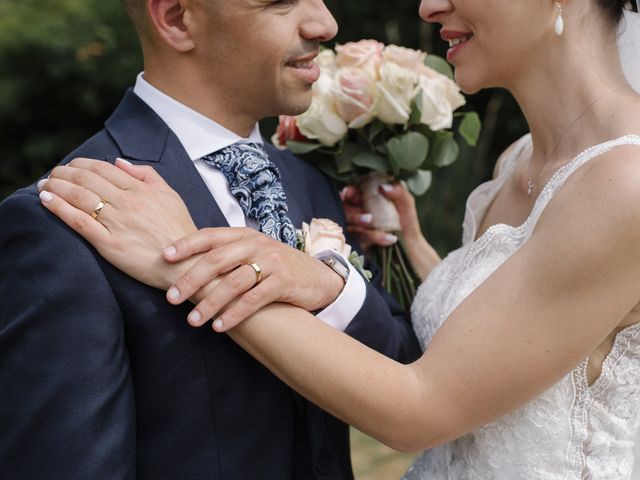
[{"x": 66, "y": 394}]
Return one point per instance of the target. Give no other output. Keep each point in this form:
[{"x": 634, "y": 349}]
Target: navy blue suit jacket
[{"x": 100, "y": 378}]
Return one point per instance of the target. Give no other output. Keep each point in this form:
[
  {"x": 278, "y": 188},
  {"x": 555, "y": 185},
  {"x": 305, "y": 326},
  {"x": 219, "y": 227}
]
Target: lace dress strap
[{"x": 563, "y": 173}]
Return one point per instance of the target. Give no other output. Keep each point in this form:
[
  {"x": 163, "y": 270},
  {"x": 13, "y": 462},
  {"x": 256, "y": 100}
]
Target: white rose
[
  {"x": 326, "y": 59},
  {"x": 321, "y": 122},
  {"x": 440, "y": 97},
  {"x": 405, "y": 57},
  {"x": 324, "y": 234},
  {"x": 324, "y": 86},
  {"x": 394, "y": 92}
]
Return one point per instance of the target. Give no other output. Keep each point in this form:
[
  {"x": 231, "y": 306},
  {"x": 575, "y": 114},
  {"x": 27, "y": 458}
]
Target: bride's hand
[
  {"x": 423, "y": 256},
  {"x": 141, "y": 215}
]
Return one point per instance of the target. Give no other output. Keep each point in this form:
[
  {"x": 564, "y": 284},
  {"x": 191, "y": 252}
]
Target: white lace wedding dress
[{"x": 573, "y": 431}]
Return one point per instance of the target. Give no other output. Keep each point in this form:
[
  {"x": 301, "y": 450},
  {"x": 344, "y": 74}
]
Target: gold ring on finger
[
  {"x": 98, "y": 209},
  {"x": 258, "y": 270}
]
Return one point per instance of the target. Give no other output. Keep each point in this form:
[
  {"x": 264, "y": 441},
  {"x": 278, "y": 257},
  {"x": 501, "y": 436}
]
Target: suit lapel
[{"x": 144, "y": 139}]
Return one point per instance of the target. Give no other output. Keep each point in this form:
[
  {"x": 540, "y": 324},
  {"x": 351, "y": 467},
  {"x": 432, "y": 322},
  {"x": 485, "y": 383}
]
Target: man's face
[{"x": 259, "y": 52}]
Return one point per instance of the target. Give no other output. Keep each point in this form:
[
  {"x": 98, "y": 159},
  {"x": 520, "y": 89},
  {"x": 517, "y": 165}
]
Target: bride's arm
[{"x": 545, "y": 310}]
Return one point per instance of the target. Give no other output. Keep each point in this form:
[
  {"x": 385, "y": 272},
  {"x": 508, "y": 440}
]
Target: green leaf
[
  {"x": 329, "y": 169},
  {"x": 344, "y": 159},
  {"x": 371, "y": 161},
  {"x": 439, "y": 64},
  {"x": 416, "y": 109},
  {"x": 444, "y": 150},
  {"x": 376, "y": 129},
  {"x": 408, "y": 151},
  {"x": 300, "y": 148},
  {"x": 420, "y": 182},
  {"x": 469, "y": 128}
]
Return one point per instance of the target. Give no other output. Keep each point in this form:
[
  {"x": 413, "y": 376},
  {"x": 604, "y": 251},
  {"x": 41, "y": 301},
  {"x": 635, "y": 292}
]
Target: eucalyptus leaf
[
  {"x": 300, "y": 148},
  {"x": 372, "y": 161},
  {"x": 444, "y": 150},
  {"x": 439, "y": 64},
  {"x": 408, "y": 151},
  {"x": 329, "y": 169},
  {"x": 470, "y": 128},
  {"x": 344, "y": 160},
  {"x": 419, "y": 183},
  {"x": 416, "y": 109},
  {"x": 376, "y": 129}
]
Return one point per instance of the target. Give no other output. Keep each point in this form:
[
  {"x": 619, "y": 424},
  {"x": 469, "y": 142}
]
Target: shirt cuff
[{"x": 344, "y": 308}]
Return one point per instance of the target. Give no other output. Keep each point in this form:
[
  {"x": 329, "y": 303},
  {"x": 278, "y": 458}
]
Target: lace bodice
[{"x": 573, "y": 431}]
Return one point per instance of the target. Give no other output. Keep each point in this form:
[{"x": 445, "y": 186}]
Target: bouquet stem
[{"x": 398, "y": 275}]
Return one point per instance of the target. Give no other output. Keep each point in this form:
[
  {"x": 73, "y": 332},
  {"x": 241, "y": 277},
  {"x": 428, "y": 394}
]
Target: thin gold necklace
[{"x": 533, "y": 180}]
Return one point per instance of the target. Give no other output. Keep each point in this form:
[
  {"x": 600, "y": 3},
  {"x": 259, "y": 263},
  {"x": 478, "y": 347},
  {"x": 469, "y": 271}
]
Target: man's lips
[
  {"x": 302, "y": 62},
  {"x": 305, "y": 67}
]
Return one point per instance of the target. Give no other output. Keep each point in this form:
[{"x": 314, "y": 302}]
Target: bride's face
[{"x": 492, "y": 42}]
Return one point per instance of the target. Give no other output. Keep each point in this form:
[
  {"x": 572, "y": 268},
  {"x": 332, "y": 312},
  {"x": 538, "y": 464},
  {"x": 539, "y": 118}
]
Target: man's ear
[{"x": 167, "y": 18}]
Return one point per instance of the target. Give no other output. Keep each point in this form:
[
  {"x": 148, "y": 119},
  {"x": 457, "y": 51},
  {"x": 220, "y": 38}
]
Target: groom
[{"x": 100, "y": 376}]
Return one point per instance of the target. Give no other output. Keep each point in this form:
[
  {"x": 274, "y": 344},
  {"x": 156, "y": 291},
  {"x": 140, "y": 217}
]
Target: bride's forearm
[{"x": 377, "y": 395}]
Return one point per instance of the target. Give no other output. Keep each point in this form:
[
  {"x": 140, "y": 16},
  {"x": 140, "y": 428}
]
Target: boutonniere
[{"x": 322, "y": 235}]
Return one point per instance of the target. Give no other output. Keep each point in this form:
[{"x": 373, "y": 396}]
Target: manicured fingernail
[
  {"x": 194, "y": 318},
  {"x": 366, "y": 218},
  {"x": 386, "y": 187},
  {"x": 126, "y": 162},
  {"x": 41, "y": 183},
  {"x": 390, "y": 239},
  {"x": 170, "y": 251},
  {"x": 45, "y": 196},
  {"x": 218, "y": 324},
  {"x": 173, "y": 293}
]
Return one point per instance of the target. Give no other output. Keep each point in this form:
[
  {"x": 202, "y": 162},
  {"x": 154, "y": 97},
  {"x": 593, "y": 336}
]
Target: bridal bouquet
[{"x": 381, "y": 113}]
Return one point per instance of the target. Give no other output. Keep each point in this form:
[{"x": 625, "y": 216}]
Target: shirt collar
[{"x": 198, "y": 134}]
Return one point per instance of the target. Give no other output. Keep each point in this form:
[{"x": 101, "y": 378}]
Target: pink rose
[
  {"x": 365, "y": 54},
  {"x": 354, "y": 96},
  {"x": 287, "y": 130},
  {"x": 324, "y": 234}
]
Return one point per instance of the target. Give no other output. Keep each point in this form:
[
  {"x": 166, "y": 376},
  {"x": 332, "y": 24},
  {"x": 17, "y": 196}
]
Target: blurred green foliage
[{"x": 64, "y": 65}]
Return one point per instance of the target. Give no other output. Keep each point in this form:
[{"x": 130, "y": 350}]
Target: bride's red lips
[{"x": 447, "y": 35}]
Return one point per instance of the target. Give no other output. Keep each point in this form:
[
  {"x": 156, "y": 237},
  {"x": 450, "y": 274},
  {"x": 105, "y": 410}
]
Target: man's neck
[{"x": 216, "y": 109}]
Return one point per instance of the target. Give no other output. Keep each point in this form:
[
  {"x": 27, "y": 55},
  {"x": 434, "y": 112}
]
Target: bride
[{"x": 530, "y": 330}]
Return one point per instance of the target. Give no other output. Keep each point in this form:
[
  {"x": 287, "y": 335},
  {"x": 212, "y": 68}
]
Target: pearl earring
[{"x": 559, "y": 20}]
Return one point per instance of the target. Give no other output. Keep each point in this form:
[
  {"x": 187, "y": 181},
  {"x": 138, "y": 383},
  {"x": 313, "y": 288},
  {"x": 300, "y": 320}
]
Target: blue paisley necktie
[{"x": 255, "y": 182}]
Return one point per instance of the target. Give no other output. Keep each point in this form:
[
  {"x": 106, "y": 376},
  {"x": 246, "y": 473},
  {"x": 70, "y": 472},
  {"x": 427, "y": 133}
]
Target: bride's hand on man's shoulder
[
  {"x": 135, "y": 220},
  {"x": 127, "y": 212}
]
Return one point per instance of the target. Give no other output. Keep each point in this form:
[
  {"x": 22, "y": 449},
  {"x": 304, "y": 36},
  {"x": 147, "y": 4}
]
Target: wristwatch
[{"x": 335, "y": 262}]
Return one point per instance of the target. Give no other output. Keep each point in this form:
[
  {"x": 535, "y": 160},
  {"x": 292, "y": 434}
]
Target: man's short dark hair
[{"x": 136, "y": 10}]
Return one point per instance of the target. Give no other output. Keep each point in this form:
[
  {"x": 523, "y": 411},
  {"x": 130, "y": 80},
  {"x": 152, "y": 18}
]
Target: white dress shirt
[{"x": 201, "y": 136}]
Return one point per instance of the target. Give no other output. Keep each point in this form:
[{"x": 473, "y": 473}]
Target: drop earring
[{"x": 559, "y": 20}]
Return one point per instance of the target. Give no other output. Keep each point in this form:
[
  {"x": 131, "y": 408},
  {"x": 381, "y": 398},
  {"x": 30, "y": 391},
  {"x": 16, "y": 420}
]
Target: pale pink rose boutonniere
[
  {"x": 381, "y": 113},
  {"x": 323, "y": 234}
]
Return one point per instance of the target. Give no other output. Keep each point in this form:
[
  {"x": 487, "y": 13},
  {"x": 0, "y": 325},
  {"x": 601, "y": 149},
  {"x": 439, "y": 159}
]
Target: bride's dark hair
[{"x": 614, "y": 8}]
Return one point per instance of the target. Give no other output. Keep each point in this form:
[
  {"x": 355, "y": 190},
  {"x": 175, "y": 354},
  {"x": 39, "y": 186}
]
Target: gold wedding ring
[
  {"x": 258, "y": 270},
  {"x": 98, "y": 209}
]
